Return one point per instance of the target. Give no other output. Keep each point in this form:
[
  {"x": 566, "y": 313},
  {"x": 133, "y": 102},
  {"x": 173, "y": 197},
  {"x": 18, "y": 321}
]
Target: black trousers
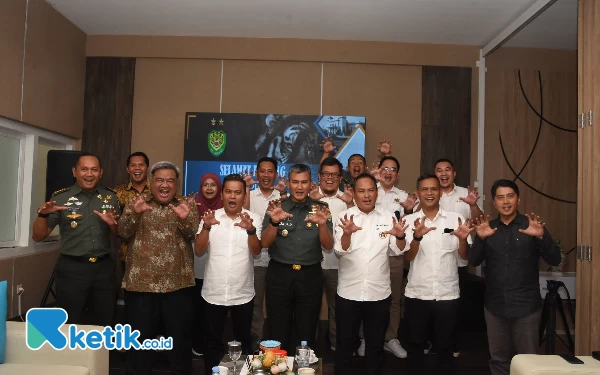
[
  {"x": 241, "y": 321},
  {"x": 418, "y": 313},
  {"x": 145, "y": 311},
  {"x": 199, "y": 318},
  {"x": 375, "y": 315},
  {"x": 293, "y": 300},
  {"x": 82, "y": 285}
]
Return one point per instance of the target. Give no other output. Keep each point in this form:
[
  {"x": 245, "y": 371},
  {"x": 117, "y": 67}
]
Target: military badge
[
  {"x": 284, "y": 233},
  {"x": 217, "y": 139}
]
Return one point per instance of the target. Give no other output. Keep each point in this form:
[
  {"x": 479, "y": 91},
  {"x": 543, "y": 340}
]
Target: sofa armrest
[{"x": 18, "y": 352}]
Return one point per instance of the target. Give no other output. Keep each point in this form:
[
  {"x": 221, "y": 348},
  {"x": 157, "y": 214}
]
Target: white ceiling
[
  {"x": 470, "y": 22},
  {"x": 555, "y": 28}
]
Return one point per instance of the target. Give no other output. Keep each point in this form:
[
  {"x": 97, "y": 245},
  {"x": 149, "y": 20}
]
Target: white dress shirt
[
  {"x": 199, "y": 265},
  {"x": 229, "y": 275},
  {"x": 390, "y": 201},
  {"x": 452, "y": 202},
  {"x": 364, "y": 273},
  {"x": 259, "y": 205},
  {"x": 336, "y": 205},
  {"x": 433, "y": 273}
]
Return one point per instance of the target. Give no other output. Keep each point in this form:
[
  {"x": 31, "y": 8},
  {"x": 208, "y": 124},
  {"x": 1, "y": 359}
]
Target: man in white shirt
[
  {"x": 456, "y": 198},
  {"x": 231, "y": 237},
  {"x": 257, "y": 202},
  {"x": 330, "y": 176},
  {"x": 435, "y": 241},
  {"x": 399, "y": 203},
  {"x": 363, "y": 236}
]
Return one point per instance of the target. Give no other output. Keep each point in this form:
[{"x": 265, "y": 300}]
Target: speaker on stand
[{"x": 59, "y": 175}]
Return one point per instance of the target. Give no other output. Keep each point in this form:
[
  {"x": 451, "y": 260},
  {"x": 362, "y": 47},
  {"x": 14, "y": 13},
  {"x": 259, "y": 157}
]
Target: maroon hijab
[{"x": 205, "y": 203}]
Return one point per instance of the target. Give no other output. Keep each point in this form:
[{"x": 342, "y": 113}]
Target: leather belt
[{"x": 87, "y": 259}]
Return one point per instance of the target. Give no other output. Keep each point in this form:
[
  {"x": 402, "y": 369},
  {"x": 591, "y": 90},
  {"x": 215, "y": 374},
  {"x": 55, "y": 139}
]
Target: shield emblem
[{"x": 217, "y": 140}]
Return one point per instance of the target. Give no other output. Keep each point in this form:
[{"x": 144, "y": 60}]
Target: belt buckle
[
  {"x": 297, "y": 267},
  {"x": 92, "y": 259}
]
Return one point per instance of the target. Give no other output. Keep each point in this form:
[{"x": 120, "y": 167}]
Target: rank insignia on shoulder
[
  {"x": 109, "y": 189},
  {"x": 323, "y": 203},
  {"x": 61, "y": 191}
]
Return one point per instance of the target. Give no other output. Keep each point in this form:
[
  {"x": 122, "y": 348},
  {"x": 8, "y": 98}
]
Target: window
[
  {"x": 10, "y": 166},
  {"x": 23, "y": 155}
]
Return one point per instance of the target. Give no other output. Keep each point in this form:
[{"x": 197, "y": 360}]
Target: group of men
[{"x": 349, "y": 239}]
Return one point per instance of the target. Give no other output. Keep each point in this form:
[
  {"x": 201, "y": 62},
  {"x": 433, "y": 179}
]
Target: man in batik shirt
[{"x": 159, "y": 277}]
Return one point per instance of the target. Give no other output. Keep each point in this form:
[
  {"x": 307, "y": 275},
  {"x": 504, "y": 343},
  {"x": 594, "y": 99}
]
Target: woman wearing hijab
[{"x": 209, "y": 198}]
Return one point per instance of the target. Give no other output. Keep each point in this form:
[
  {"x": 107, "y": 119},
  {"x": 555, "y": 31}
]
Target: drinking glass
[{"x": 235, "y": 352}]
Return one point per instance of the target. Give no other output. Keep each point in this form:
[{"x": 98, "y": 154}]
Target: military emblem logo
[{"x": 217, "y": 139}]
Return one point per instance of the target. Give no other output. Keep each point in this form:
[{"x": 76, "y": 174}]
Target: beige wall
[
  {"x": 52, "y": 94},
  {"x": 381, "y": 81},
  {"x": 553, "y": 166},
  {"x": 53, "y": 72}
]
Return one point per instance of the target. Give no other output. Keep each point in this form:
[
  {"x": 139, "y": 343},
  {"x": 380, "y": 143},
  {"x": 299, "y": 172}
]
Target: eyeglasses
[
  {"x": 389, "y": 169},
  {"x": 168, "y": 181},
  {"x": 329, "y": 175},
  {"x": 209, "y": 185}
]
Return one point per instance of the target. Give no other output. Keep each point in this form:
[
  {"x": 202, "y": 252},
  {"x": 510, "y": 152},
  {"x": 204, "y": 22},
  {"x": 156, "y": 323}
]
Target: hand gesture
[
  {"x": 249, "y": 179},
  {"x": 327, "y": 145},
  {"x": 385, "y": 147},
  {"x": 535, "y": 228},
  {"x": 463, "y": 230},
  {"x": 246, "y": 222},
  {"x": 347, "y": 225},
  {"x": 347, "y": 196},
  {"x": 50, "y": 207},
  {"x": 472, "y": 197},
  {"x": 139, "y": 204},
  {"x": 398, "y": 229},
  {"x": 409, "y": 203},
  {"x": 482, "y": 227},
  {"x": 277, "y": 213},
  {"x": 320, "y": 216},
  {"x": 182, "y": 210},
  {"x": 315, "y": 193},
  {"x": 375, "y": 171},
  {"x": 109, "y": 218},
  {"x": 421, "y": 229},
  {"x": 209, "y": 219},
  {"x": 281, "y": 184}
]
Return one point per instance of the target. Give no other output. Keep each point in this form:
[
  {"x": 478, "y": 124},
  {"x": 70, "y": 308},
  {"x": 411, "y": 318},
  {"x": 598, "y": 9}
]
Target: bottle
[
  {"x": 303, "y": 353},
  {"x": 216, "y": 370}
]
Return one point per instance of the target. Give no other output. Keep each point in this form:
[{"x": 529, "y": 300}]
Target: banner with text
[{"x": 224, "y": 143}]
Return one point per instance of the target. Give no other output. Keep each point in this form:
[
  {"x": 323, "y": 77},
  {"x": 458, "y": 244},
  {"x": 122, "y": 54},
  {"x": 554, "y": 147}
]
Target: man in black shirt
[{"x": 510, "y": 246}]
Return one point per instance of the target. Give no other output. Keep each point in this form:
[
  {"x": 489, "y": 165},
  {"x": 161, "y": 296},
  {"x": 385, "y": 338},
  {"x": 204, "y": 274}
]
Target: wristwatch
[
  {"x": 251, "y": 232},
  {"x": 273, "y": 223},
  {"x": 418, "y": 239},
  {"x": 42, "y": 215},
  {"x": 401, "y": 238}
]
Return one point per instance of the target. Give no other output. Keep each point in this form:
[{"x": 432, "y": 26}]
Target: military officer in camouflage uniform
[
  {"x": 86, "y": 215},
  {"x": 296, "y": 230}
]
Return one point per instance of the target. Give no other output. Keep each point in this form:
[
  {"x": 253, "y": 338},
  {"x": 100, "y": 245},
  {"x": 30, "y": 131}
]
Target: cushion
[{"x": 3, "y": 303}]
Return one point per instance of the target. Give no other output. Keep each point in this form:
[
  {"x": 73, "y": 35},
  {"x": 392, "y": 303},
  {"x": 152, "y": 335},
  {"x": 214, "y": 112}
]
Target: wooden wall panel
[
  {"x": 552, "y": 168},
  {"x": 54, "y": 71},
  {"x": 390, "y": 98},
  {"x": 165, "y": 89},
  {"x": 12, "y": 30},
  {"x": 271, "y": 87},
  {"x": 446, "y": 120},
  {"x": 108, "y": 114}
]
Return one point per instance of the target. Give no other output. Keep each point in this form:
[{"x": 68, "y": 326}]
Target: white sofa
[
  {"x": 23, "y": 361},
  {"x": 529, "y": 364}
]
